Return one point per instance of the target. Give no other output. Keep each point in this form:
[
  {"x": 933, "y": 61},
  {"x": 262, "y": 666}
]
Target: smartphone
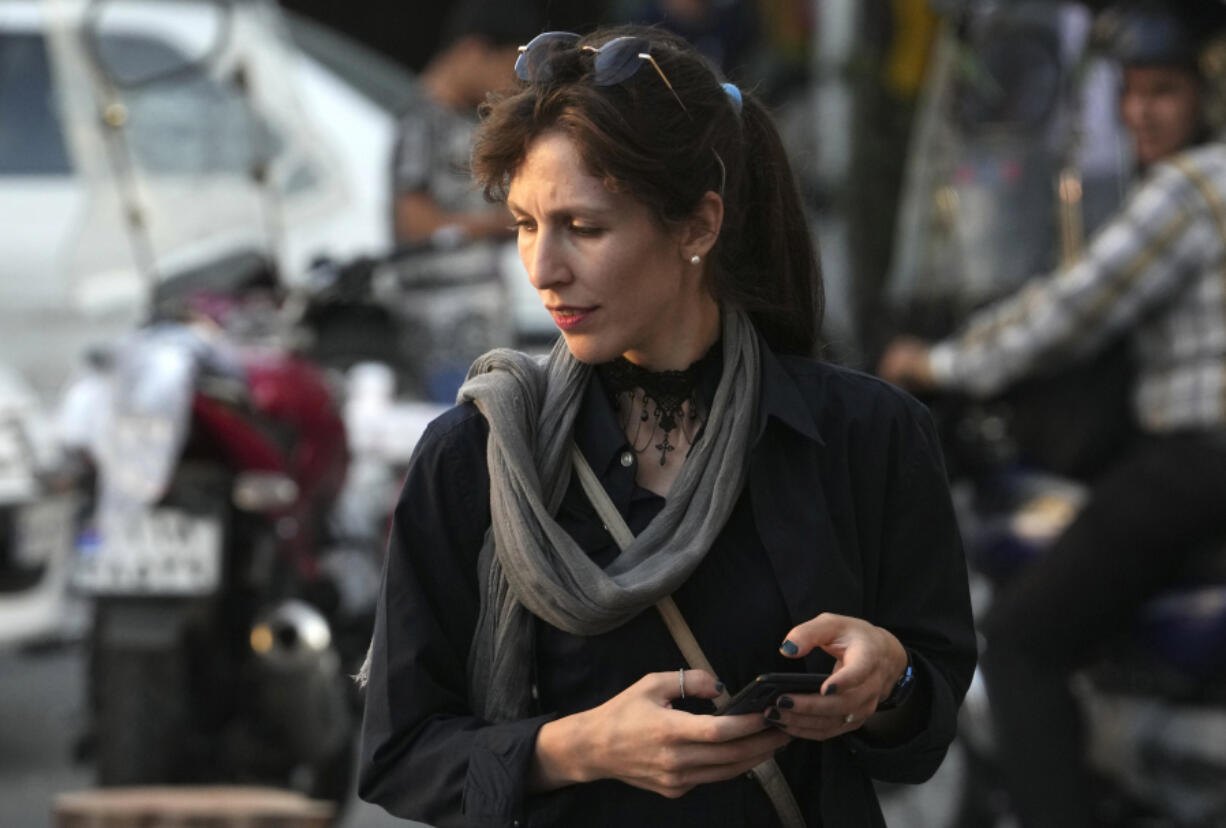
[{"x": 761, "y": 693}]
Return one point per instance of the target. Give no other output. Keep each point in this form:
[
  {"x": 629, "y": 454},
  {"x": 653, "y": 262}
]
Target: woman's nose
[{"x": 545, "y": 263}]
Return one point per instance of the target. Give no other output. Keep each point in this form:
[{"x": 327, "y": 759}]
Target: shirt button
[{"x": 627, "y": 459}]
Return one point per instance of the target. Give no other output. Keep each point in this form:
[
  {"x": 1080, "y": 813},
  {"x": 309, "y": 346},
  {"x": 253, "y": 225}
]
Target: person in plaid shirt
[{"x": 1155, "y": 274}]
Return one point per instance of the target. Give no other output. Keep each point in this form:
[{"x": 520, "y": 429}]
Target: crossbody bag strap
[{"x": 767, "y": 773}]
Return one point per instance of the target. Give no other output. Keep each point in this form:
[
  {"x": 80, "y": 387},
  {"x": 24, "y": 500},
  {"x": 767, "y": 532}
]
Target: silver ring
[
  {"x": 849, "y": 718},
  {"x": 681, "y": 678}
]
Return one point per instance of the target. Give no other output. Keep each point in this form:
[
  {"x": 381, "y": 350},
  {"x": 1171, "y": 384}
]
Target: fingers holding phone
[
  {"x": 868, "y": 662},
  {"x": 636, "y": 737},
  {"x": 818, "y": 717}
]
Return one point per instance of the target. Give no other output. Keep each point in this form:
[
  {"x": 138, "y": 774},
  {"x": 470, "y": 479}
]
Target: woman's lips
[{"x": 568, "y": 318}]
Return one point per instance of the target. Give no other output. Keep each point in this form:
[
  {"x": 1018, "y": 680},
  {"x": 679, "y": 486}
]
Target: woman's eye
[
  {"x": 523, "y": 224},
  {"x": 586, "y": 230}
]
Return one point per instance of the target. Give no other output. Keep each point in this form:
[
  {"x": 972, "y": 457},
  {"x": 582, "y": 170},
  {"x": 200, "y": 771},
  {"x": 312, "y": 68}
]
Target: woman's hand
[
  {"x": 868, "y": 662},
  {"x": 906, "y": 363},
  {"x": 638, "y": 738}
]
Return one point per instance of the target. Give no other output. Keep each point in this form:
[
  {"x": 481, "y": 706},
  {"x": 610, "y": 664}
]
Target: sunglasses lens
[
  {"x": 532, "y": 65},
  {"x": 618, "y": 59}
]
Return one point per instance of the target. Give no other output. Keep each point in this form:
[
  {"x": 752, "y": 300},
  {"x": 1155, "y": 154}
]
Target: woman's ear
[{"x": 701, "y": 230}]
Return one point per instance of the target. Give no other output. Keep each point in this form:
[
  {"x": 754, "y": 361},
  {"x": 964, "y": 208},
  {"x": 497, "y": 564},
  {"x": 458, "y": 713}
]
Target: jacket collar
[
  {"x": 597, "y": 432},
  {"x": 780, "y": 397}
]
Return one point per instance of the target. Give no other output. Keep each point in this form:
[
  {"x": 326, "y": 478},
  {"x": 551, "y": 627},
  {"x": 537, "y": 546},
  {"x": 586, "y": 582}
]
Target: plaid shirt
[
  {"x": 1156, "y": 273},
  {"x": 431, "y": 155}
]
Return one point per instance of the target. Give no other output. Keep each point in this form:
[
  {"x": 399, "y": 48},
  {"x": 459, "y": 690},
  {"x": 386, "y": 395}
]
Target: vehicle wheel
[
  {"x": 143, "y": 717},
  {"x": 333, "y": 778}
]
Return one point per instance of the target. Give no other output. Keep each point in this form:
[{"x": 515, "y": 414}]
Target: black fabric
[
  {"x": 846, "y": 510},
  {"x": 1148, "y": 513},
  {"x": 1074, "y": 421}
]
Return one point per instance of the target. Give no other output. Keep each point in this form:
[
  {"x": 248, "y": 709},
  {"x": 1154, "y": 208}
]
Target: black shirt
[{"x": 846, "y": 510}]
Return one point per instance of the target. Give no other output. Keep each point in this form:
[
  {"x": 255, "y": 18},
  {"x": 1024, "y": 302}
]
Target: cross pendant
[{"x": 665, "y": 447}]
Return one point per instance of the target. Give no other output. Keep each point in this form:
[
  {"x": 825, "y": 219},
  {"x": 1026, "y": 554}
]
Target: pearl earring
[{"x": 695, "y": 259}]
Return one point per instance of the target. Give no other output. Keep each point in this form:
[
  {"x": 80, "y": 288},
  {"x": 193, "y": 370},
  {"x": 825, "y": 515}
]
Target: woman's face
[
  {"x": 615, "y": 280},
  {"x": 1161, "y": 108}
]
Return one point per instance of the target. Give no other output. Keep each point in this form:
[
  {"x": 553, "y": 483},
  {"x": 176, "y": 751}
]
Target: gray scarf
[{"x": 530, "y": 566}]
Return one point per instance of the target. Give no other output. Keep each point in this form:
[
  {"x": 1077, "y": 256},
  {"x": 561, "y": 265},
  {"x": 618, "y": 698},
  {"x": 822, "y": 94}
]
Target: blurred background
[{"x": 241, "y": 266}]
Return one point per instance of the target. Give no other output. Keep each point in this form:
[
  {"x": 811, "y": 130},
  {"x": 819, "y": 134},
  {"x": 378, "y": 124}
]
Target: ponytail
[{"x": 768, "y": 261}]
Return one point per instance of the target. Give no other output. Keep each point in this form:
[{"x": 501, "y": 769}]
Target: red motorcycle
[{"x": 224, "y": 625}]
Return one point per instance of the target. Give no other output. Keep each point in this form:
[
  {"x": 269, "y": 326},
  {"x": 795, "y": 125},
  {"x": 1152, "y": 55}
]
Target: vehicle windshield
[
  {"x": 31, "y": 134},
  {"x": 1010, "y": 81},
  {"x": 189, "y": 125},
  {"x": 1018, "y": 159}
]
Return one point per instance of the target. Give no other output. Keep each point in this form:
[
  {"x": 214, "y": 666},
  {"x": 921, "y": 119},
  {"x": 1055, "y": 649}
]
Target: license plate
[{"x": 158, "y": 552}]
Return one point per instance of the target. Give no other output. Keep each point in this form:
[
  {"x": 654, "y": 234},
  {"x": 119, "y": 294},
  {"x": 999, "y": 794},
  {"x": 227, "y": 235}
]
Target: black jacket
[{"x": 848, "y": 500}]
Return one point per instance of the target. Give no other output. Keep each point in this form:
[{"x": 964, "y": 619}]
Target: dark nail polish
[
  {"x": 772, "y": 715},
  {"x": 719, "y": 687},
  {"x": 785, "y": 702},
  {"x": 830, "y": 690},
  {"x": 789, "y": 648}
]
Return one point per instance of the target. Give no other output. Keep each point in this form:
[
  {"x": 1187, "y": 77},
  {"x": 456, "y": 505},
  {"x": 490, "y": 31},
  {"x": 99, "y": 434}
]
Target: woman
[{"x": 518, "y": 673}]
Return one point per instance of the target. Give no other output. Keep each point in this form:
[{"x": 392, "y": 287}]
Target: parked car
[
  {"x": 141, "y": 138},
  {"x": 38, "y": 505}
]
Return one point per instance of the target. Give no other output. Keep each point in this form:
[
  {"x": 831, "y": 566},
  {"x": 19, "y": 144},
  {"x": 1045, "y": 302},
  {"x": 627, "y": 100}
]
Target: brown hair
[{"x": 634, "y": 135}]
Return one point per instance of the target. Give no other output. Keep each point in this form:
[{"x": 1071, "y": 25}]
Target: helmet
[
  {"x": 1149, "y": 33},
  {"x": 1188, "y": 34}
]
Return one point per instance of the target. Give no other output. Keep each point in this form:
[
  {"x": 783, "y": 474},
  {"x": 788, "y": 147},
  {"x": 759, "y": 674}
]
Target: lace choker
[{"x": 659, "y": 402}]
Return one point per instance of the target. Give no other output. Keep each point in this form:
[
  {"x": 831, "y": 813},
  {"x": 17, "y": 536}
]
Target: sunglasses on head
[{"x": 614, "y": 62}]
